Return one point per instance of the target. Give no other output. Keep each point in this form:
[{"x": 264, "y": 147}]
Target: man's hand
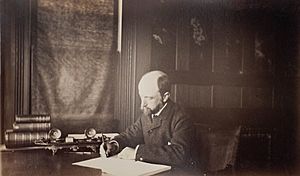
[
  {"x": 108, "y": 149},
  {"x": 127, "y": 153},
  {"x": 102, "y": 151}
]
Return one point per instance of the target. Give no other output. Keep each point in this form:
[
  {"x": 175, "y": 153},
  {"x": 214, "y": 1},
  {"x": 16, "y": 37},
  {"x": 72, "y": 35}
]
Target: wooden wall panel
[
  {"x": 227, "y": 42},
  {"x": 226, "y": 79},
  {"x": 16, "y": 55},
  {"x": 201, "y": 39},
  {"x": 1, "y": 70},
  {"x": 258, "y": 98},
  {"x": 230, "y": 63},
  {"x": 143, "y": 46},
  {"x": 260, "y": 40},
  {"x": 226, "y": 97},
  {"x": 229, "y": 117},
  {"x": 194, "y": 96},
  {"x": 217, "y": 57},
  {"x": 183, "y": 30},
  {"x": 8, "y": 62},
  {"x": 164, "y": 29},
  {"x": 248, "y": 66},
  {"x": 173, "y": 92},
  {"x": 24, "y": 14},
  {"x": 126, "y": 76}
]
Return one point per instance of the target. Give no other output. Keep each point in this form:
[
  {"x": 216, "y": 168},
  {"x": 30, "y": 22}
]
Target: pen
[
  {"x": 102, "y": 137},
  {"x": 104, "y": 145},
  {"x": 81, "y": 153}
]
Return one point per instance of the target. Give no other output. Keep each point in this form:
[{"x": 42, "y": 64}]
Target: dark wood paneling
[
  {"x": 23, "y": 48},
  {"x": 8, "y": 62},
  {"x": 261, "y": 35},
  {"x": 226, "y": 97},
  {"x": 126, "y": 76},
  {"x": 228, "y": 117},
  {"x": 1, "y": 70},
  {"x": 200, "y": 24},
  {"x": 182, "y": 57},
  {"x": 164, "y": 30},
  {"x": 226, "y": 79},
  {"x": 16, "y": 55},
  {"x": 227, "y": 42},
  {"x": 143, "y": 45},
  {"x": 247, "y": 65},
  {"x": 258, "y": 97},
  {"x": 193, "y": 96}
]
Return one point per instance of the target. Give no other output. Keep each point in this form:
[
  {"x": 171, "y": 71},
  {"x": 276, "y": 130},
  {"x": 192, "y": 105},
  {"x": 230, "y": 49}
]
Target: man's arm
[
  {"x": 177, "y": 151},
  {"x": 131, "y": 137}
]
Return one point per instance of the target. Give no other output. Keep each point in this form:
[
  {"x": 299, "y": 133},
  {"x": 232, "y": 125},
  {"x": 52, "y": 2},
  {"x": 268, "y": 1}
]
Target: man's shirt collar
[{"x": 159, "y": 112}]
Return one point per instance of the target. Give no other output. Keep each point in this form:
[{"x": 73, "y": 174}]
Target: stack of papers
[{"x": 118, "y": 167}]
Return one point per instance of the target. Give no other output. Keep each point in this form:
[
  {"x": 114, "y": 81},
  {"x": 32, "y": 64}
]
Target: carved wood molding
[
  {"x": 126, "y": 70},
  {"x": 16, "y": 55},
  {"x": 23, "y": 55},
  {"x": 134, "y": 59},
  {"x": 1, "y": 83},
  {"x": 7, "y": 63}
]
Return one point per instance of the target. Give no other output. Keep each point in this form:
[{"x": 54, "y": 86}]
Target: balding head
[
  {"x": 155, "y": 81},
  {"x": 154, "y": 91}
]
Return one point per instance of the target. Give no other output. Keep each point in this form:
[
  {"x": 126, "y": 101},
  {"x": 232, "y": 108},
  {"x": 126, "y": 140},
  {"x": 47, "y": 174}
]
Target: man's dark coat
[{"x": 166, "y": 139}]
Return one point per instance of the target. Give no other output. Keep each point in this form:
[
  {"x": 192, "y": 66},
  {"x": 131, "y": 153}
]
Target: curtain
[{"x": 73, "y": 68}]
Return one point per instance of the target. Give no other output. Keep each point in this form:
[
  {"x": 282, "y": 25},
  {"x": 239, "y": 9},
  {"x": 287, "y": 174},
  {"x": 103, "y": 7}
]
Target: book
[
  {"x": 31, "y": 126},
  {"x": 21, "y": 139},
  {"x": 121, "y": 167},
  {"x": 32, "y": 118}
]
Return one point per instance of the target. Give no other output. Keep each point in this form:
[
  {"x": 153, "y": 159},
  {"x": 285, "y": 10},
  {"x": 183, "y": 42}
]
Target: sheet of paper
[{"x": 121, "y": 167}]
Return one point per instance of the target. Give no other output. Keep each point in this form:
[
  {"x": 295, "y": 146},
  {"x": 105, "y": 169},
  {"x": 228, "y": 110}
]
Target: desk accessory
[
  {"x": 90, "y": 143},
  {"x": 90, "y": 133},
  {"x": 54, "y": 134}
]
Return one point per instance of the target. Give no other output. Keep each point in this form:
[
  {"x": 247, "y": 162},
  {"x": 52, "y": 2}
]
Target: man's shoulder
[
  {"x": 181, "y": 117},
  {"x": 179, "y": 110}
]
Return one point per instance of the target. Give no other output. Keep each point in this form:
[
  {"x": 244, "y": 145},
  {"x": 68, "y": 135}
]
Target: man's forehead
[
  {"x": 148, "y": 89},
  {"x": 148, "y": 84}
]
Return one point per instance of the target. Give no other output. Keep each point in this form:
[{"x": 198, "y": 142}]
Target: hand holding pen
[{"x": 108, "y": 148}]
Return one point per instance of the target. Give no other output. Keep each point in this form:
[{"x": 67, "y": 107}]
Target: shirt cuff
[
  {"x": 135, "y": 150},
  {"x": 115, "y": 142}
]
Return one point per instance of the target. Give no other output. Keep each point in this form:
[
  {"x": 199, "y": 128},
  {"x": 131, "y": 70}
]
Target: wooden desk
[{"x": 42, "y": 162}]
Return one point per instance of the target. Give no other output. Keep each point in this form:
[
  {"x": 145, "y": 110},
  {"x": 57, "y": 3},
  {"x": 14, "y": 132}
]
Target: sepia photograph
[{"x": 149, "y": 87}]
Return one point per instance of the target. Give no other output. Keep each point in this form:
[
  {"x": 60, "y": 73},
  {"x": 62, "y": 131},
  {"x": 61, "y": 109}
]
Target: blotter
[{"x": 122, "y": 167}]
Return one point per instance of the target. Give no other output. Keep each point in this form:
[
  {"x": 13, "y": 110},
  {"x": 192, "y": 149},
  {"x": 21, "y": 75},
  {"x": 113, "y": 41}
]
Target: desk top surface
[{"x": 42, "y": 162}]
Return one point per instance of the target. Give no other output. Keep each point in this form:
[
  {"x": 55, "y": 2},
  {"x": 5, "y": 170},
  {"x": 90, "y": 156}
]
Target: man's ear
[{"x": 166, "y": 97}]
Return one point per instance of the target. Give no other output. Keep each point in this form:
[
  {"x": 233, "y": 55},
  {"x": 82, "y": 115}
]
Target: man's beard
[{"x": 148, "y": 111}]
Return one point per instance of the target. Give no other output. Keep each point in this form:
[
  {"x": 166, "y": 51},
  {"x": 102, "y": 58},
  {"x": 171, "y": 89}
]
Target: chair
[
  {"x": 249, "y": 154},
  {"x": 218, "y": 148}
]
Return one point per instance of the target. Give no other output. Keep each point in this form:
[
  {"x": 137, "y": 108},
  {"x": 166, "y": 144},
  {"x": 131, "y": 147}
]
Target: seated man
[{"x": 163, "y": 134}]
